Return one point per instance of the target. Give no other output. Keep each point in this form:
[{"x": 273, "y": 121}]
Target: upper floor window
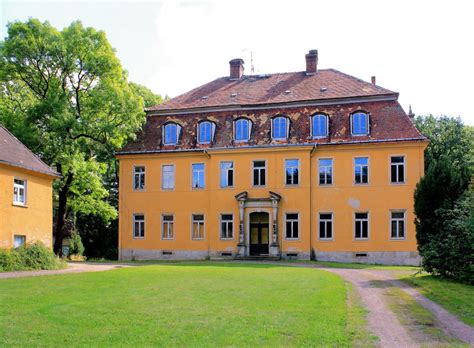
[
  {"x": 171, "y": 133},
  {"x": 325, "y": 171},
  {"x": 19, "y": 191},
  {"x": 198, "y": 175},
  {"x": 280, "y": 127},
  {"x": 292, "y": 171},
  {"x": 242, "y": 129},
  {"x": 319, "y": 126},
  {"x": 360, "y": 123},
  {"x": 206, "y": 132},
  {"x": 167, "y": 177},
  {"x": 361, "y": 170},
  {"x": 397, "y": 169},
  {"x": 227, "y": 174},
  {"x": 139, "y": 178},
  {"x": 259, "y": 175}
]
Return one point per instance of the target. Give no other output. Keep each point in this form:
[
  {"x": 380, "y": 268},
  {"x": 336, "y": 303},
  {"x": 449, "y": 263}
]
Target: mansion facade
[{"x": 312, "y": 164}]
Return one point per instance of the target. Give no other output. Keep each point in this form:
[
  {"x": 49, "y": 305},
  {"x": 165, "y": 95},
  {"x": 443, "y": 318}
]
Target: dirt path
[{"x": 72, "y": 268}]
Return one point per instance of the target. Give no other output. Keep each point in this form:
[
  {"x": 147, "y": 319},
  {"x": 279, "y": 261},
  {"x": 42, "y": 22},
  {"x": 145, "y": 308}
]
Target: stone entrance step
[{"x": 257, "y": 258}]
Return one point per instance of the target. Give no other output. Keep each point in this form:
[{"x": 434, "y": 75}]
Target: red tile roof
[
  {"x": 13, "y": 152},
  {"x": 274, "y": 89}
]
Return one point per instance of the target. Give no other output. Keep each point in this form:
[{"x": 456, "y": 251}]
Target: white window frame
[
  {"x": 178, "y": 132},
  {"x": 249, "y": 130},
  {"x": 297, "y": 167},
  {"x": 264, "y": 168},
  {"x": 201, "y": 173},
  {"x": 19, "y": 187},
  {"x": 367, "y": 123},
  {"x": 227, "y": 226},
  {"x": 287, "y": 127},
  {"x": 167, "y": 223},
  {"x": 226, "y": 170},
  {"x": 326, "y": 226},
  {"x": 213, "y": 129},
  {"x": 199, "y": 223},
  {"x": 318, "y": 115},
  {"x": 297, "y": 220},
  {"x": 139, "y": 174},
  {"x": 142, "y": 227},
  {"x": 163, "y": 177},
  {"x": 361, "y": 167},
  {"x": 397, "y": 165},
  {"x": 404, "y": 220},
  {"x": 361, "y": 220},
  {"x": 325, "y": 171},
  {"x": 15, "y": 245}
]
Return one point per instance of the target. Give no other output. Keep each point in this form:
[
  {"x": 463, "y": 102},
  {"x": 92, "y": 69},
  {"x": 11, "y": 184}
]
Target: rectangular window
[
  {"x": 18, "y": 240},
  {"x": 325, "y": 225},
  {"x": 292, "y": 230},
  {"x": 138, "y": 225},
  {"x": 397, "y": 169},
  {"x": 259, "y": 173},
  {"x": 361, "y": 225},
  {"x": 167, "y": 226},
  {"x": 361, "y": 170},
  {"x": 19, "y": 191},
  {"x": 198, "y": 226},
  {"x": 167, "y": 177},
  {"x": 325, "y": 171},
  {"x": 292, "y": 171},
  {"x": 227, "y": 226},
  {"x": 397, "y": 225},
  {"x": 198, "y": 175},
  {"x": 138, "y": 178},
  {"x": 227, "y": 174}
]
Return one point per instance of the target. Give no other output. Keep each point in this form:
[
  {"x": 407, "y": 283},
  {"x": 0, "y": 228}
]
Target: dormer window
[
  {"x": 242, "y": 129},
  {"x": 280, "y": 127},
  {"x": 360, "y": 123},
  {"x": 319, "y": 126},
  {"x": 206, "y": 132},
  {"x": 171, "y": 133}
]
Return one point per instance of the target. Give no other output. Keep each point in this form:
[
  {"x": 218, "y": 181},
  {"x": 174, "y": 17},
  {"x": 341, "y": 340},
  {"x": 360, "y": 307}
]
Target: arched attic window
[
  {"x": 280, "y": 127},
  {"x": 171, "y": 132},
  {"x": 206, "y": 130},
  {"x": 360, "y": 123},
  {"x": 319, "y": 126},
  {"x": 242, "y": 129}
]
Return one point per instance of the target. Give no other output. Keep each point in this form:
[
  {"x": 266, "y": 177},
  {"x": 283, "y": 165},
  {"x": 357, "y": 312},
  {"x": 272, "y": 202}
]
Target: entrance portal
[{"x": 259, "y": 233}]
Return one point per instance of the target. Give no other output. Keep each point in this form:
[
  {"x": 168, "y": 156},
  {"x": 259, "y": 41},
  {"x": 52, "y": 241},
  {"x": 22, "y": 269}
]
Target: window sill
[
  {"x": 326, "y": 239},
  {"x": 138, "y": 190},
  {"x": 362, "y": 184},
  {"x": 20, "y": 205},
  {"x": 167, "y": 189},
  {"x": 292, "y": 186},
  {"x": 398, "y": 239},
  {"x": 198, "y": 188},
  {"x": 227, "y": 187},
  {"x": 138, "y": 237},
  {"x": 227, "y": 239},
  {"x": 398, "y": 183},
  {"x": 198, "y": 239},
  {"x": 292, "y": 239},
  {"x": 167, "y": 238},
  {"x": 361, "y": 239},
  {"x": 326, "y": 185}
]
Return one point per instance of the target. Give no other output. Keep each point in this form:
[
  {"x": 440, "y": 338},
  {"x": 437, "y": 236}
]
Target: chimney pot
[
  {"x": 311, "y": 62},
  {"x": 236, "y": 68},
  {"x": 374, "y": 80}
]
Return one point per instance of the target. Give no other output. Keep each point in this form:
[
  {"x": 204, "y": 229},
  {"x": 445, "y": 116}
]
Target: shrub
[
  {"x": 76, "y": 247},
  {"x": 33, "y": 256}
]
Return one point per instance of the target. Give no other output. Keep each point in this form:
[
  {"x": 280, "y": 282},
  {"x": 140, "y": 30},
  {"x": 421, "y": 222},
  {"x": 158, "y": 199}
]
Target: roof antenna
[{"x": 252, "y": 69}]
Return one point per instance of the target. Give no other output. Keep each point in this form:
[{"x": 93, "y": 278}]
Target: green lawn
[
  {"x": 455, "y": 297},
  {"x": 194, "y": 304}
]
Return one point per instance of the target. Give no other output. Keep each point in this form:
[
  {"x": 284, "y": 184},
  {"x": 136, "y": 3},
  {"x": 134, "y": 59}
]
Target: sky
[{"x": 422, "y": 49}]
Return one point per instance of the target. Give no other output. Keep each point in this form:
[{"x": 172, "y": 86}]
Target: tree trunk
[{"x": 61, "y": 216}]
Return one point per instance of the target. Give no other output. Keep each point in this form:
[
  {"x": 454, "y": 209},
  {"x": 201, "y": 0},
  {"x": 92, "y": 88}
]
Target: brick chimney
[
  {"x": 236, "y": 68},
  {"x": 311, "y": 62}
]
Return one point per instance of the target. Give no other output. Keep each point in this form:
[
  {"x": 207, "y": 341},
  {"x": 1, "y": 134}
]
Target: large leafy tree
[{"x": 66, "y": 95}]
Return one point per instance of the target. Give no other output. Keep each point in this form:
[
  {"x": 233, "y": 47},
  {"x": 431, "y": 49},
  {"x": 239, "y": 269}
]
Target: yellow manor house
[{"x": 312, "y": 164}]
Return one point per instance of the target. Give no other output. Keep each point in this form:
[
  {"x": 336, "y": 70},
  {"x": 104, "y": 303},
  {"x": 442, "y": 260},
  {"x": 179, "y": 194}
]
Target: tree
[
  {"x": 149, "y": 98},
  {"x": 443, "y": 202},
  {"x": 69, "y": 90}
]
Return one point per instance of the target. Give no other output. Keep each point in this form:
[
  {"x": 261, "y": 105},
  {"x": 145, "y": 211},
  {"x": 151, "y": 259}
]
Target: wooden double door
[{"x": 259, "y": 234}]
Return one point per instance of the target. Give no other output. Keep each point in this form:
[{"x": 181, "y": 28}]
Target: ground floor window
[
  {"x": 138, "y": 226},
  {"x": 18, "y": 240},
  {"x": 361, "y": 225},
  {"x": 167, "y": 226},
  {"x": 227, "y": 226},
  {"x": 198, "y": 226},
  {"x": 325, "y": 225},
  {"x": 292, "y": 228},
  {"x": 397, "y": 225}
]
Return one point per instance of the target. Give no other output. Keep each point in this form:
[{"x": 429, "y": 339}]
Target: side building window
[
  {"x": 171, "y": 133},
  {"x": 259, "y": 173},
  {"x": 138, "y": 178},
  {"x": 397, "y": 225},
  {"x": 206, "y": 132},
  {"x": 167, "y": 177},
  {"x": 292, "y": 226},
  {"x": 397, "y": 169},
  {"x": 18, "y": 240},
  {"x": 325, "y": 171},
  {"x": 227, "y": 174},
  {"x": 360, "y": 123},
  {"x": 325, "y": 226},
  {"x": 242, "y": 129},
  {"x": 361, "y": 226},
  {"x": 361, "y": 170},
  {"x": 198, "y": 175},
  {"x": 280, "y": 127},
  {"x": 292, "y": 171},
  {"x": 227, "y": 226},
  {"x": 19, "y": 191},
  {"x": 167, "y": 228},
  {"x": 319, "y": 126},
  {"x": 198, "y": 226},
  {"x": 138, "y": 226}
]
